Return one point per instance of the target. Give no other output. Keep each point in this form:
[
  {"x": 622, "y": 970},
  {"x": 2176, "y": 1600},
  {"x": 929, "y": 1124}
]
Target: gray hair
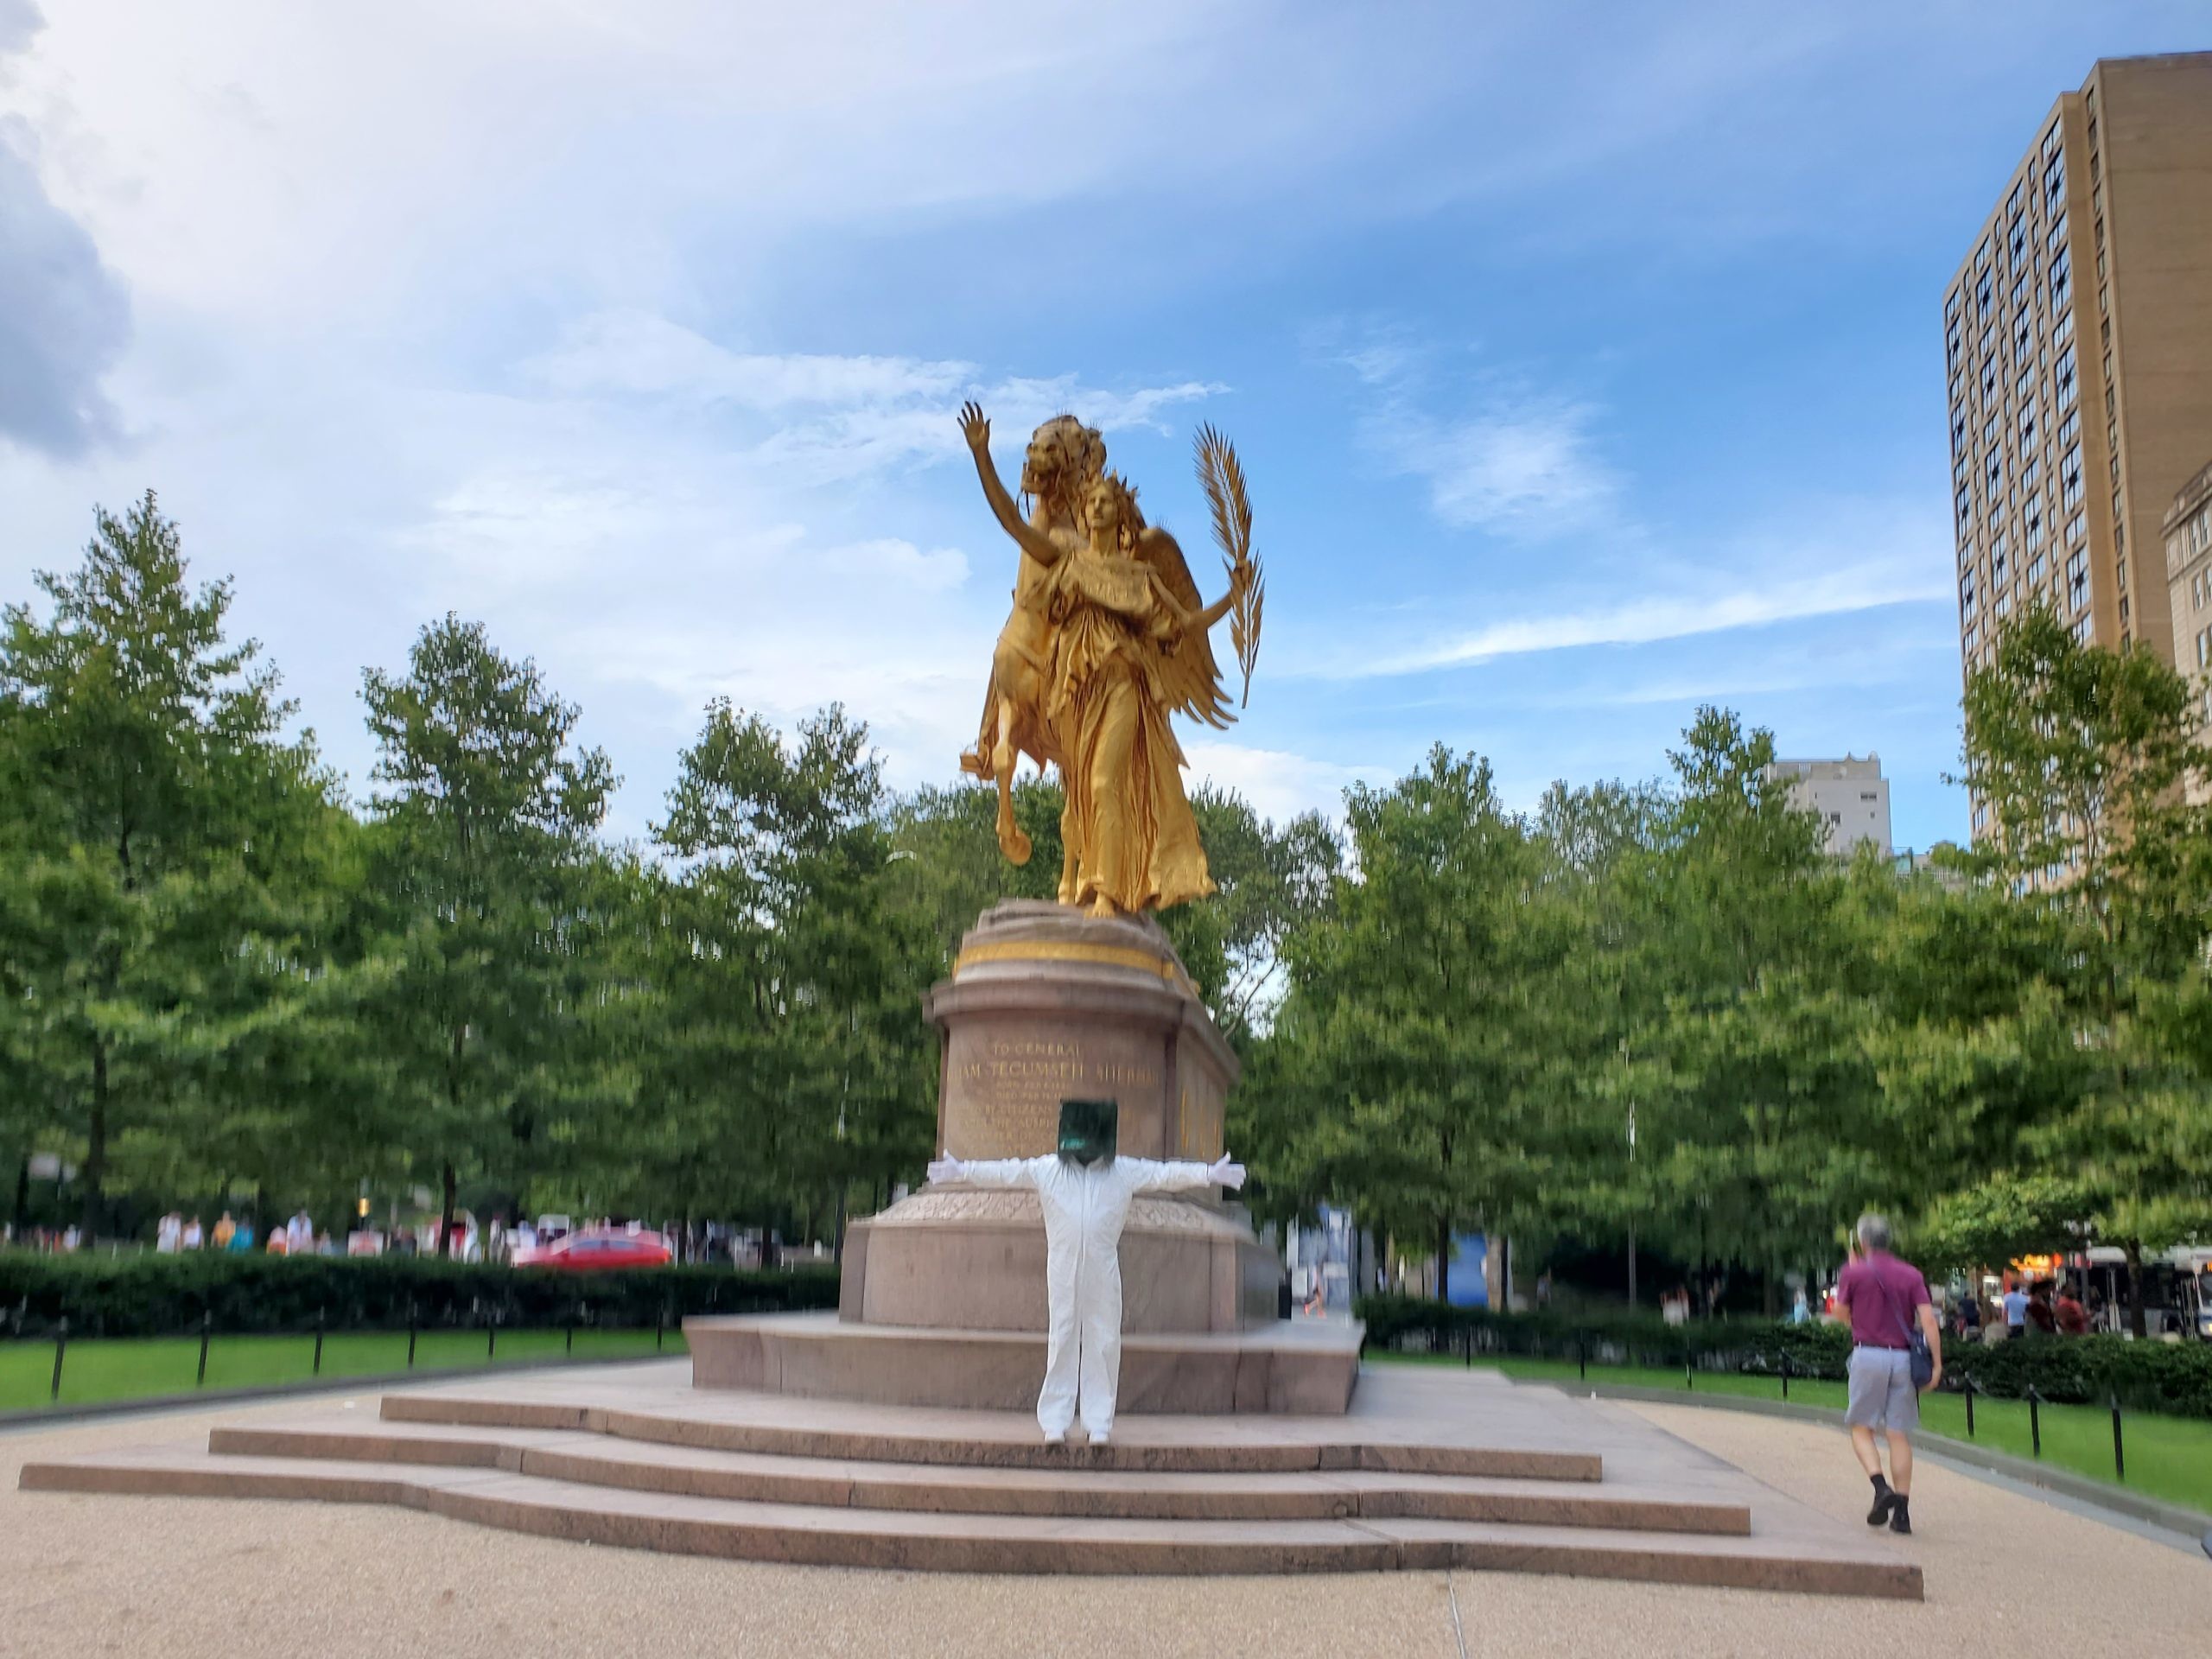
[{"x": 1873, "y": 1231}]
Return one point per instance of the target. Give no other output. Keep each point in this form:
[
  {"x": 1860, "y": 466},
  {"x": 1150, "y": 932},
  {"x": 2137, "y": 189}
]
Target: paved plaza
[{"x": 2005, "y": 1574}]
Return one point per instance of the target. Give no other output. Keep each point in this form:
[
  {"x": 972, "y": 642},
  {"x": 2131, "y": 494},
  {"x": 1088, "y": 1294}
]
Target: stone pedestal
[{"x": 1046, "y": 1004}]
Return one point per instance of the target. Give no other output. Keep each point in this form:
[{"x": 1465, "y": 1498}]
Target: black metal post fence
[
  {"x": 1466, "y": 1339},
  {"x": 577, "y": 1313}
]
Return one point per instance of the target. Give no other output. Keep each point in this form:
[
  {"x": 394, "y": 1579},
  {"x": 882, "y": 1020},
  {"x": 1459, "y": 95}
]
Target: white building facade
[{"x": 1850, "y": 796}]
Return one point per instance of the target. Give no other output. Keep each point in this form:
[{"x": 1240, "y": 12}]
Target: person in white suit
[{"x": 1085, "y": 1192}]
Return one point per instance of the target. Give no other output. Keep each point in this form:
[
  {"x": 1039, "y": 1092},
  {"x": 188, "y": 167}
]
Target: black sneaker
[
  {"x": 1901, "y": 1521},
  {"x": 1885, "y": 1501}
]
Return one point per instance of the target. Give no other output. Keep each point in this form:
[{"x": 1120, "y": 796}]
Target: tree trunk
[
  {"x": 95, "y": 1169},
  {"x": 1443, "y": 1261},
  {"x": 22, "y": 1198},
  {"x": 2136, "y": 1319},
  {"x": 445, "y": 1216}
]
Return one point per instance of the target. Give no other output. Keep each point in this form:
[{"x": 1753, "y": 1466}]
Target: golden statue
[{"x": 1108, "y": 639}]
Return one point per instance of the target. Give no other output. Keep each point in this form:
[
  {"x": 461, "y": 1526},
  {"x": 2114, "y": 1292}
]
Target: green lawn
[
  {"x": 2168, "y": 1457},
  {"x": 136, "y": 1369}
]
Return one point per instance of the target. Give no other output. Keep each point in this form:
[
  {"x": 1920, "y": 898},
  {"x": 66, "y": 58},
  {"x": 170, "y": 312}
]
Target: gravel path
[{"x": 2007, "y": 1577}]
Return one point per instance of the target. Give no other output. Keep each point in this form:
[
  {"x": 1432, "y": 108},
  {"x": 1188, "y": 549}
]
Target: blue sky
[{"x": 1584, "y": 359}]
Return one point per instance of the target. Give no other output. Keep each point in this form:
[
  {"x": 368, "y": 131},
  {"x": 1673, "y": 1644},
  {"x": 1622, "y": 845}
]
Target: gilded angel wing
[{"x": 1192, "y": 679}]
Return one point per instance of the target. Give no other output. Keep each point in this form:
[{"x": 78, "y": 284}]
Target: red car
[{"x": 597, "y": 1252}]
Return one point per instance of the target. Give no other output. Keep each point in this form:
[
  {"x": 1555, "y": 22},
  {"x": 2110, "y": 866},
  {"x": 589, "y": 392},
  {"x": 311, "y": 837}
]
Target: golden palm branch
[{"x": 1222, "y": 477}]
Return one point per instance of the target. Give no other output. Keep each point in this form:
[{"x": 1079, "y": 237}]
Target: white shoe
[
  {"x": 1099, "y": 1440},
  {"x": 1056, "y": 1437}
]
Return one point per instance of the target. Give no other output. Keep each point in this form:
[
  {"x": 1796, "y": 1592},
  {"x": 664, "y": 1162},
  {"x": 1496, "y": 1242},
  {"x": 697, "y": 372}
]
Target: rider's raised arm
[{"x": 977, "y": 431}]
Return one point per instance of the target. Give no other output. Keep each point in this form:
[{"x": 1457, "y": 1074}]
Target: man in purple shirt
[{"x": 1885, "y": 1298}]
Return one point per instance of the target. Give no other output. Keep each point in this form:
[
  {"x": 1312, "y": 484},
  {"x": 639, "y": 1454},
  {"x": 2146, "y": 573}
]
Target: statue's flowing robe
[{"x": 1136, "y": 837}]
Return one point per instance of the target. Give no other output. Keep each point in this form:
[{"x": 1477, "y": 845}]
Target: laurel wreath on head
[{"x": 1222, "y": 476}]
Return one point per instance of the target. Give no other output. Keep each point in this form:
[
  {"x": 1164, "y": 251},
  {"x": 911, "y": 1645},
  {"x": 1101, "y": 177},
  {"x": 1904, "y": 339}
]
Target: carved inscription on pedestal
[{"x": 1006, "y": 1084}]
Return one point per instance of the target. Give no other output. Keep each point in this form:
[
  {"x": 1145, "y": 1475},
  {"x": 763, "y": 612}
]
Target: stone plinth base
[
  {"x": 973, "y": 1259},
  {"x": 1047, "y": 1004},
  {"x": 1304, "y": 1367}
]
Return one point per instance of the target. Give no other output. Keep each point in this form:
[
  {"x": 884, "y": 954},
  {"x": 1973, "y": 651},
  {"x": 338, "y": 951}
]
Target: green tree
[
  {"x": 791, "y": 970},
  {"x": 485, "y": 816},
  {"x": 2080, "y": 760},
  {"x": 154, "y": 812},
  {"x": 1413, "y": 1067},
  {"x": 1762, "y": 1119}
]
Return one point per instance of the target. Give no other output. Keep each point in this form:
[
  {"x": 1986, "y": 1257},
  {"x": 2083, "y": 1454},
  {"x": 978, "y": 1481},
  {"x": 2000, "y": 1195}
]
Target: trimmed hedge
[
  {"x": 167, "y": 1295},
  {"x": 2175, "y": 1377}
]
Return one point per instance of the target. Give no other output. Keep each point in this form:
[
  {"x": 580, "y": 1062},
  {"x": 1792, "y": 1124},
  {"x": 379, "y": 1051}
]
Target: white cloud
[
  {"x": 900, "y": 564},
  {"x": 1665, "y": 616},
  {"x": 630, "y": 350},
  {"x": 1527, "y": 471},
  {"x": 1278, "y": 784},
  {"x": 1507, "y": 459}
]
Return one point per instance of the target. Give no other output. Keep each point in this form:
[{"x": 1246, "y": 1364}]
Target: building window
[
  {"x": 1967, "y": 606},
  {"x": 2056, "y": 238},
  {"x": 1985, "y": 293},
  {"x": 2035, "y": 572},
  {"x": 2203, "y": 649},
  {"x": 2051, "y": 140},
  {"x": 2062, "y": 279},
  {"x": 1997, "y": 473},
  {"x": 1951, "y": 341},
  {"x": 2033, "y": 537},
  {"x": 2076, "y": 528},
  {"x": 2054, "y": 181},
  {"x": 2069, "y": 476},
  {"x": 1966, "y": 506},
  {"x": 2070, "y": 427},
  {"x": 1989, "y": 382},
  {"x": 2077, "y": 580},
  {"x": 2081, "y": 628},
  {"x": 2025, "y": 385},
  {"x": 1973, "y": 638},
  {"x": 1998, "y": 560},
  {"x": 2027, "y": 426},
  {"x": 2061, "y": 331},
  {"x": 2024, "y": 340}
]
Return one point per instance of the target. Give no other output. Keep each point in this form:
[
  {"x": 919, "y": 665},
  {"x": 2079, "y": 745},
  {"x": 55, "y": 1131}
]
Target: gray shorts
[{"x": 1882, "y": 1395}]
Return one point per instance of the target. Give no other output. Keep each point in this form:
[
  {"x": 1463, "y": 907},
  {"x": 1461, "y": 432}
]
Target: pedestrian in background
[
  {"x": 2016, "y": 1311},
  {"x": 1888, "y": 1303},
  {"x": 2072, "y": 1318}
]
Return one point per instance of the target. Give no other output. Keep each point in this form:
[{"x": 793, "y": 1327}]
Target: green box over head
[{"x": 1088, "y": 1129}]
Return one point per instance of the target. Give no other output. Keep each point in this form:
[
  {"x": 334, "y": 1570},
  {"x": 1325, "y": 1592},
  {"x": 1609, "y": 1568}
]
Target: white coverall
[{"x": 1084, "y": 1207}]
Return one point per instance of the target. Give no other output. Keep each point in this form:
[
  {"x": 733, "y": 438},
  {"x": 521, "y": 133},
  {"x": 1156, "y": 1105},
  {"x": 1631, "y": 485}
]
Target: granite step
[
  {"x": 1070, "y": 1489},
  {"x": 823, "y": 1535},
  {"x": 1016, "y": 1449}
]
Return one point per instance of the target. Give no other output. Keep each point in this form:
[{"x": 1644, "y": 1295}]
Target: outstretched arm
[
  {"x": 1240, "y": 577},
  {"x": 1180, "y": 1176},
  {"x": 977, "y": 431},
  {"x": 991, "y": 1172}
]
